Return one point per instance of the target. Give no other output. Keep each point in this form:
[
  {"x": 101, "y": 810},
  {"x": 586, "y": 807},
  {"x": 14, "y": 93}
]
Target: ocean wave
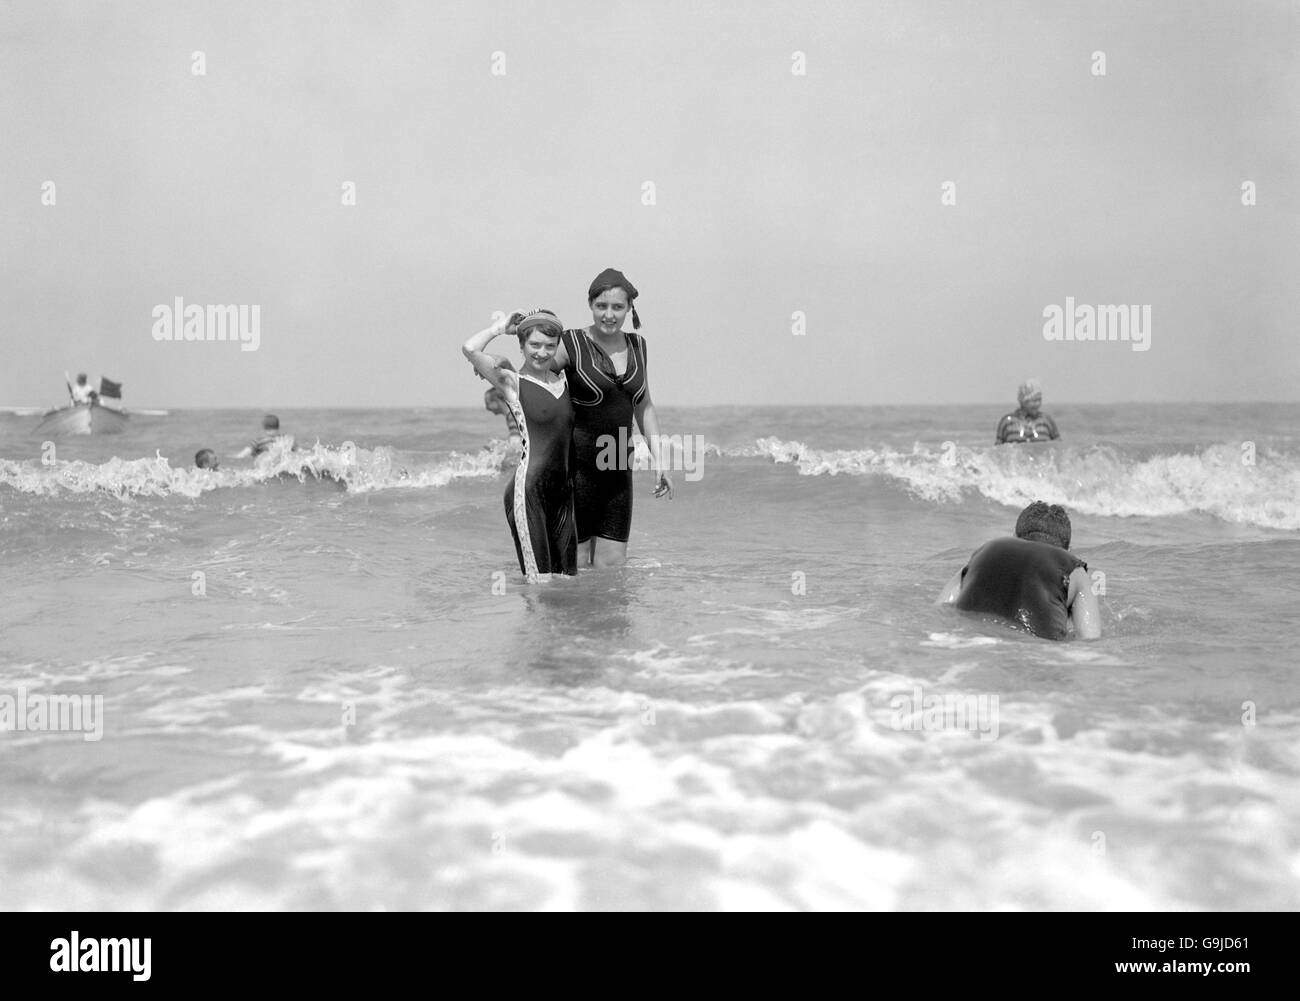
[
  {"x": 1097, "y": 480},
  {"x": 358, "y": 470}
]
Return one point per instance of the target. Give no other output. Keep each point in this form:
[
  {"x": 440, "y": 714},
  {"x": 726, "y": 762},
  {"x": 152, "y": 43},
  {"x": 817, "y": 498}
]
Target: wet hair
[
  {"x": 81, "y": 378},
  {"x": 205, "y": 458},
  {"x": 1040, "y": 522},
  {"x": 270, "y": 423}
]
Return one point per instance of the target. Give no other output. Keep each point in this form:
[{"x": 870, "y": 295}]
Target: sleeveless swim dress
[
  {"x": 539, "y": 498},
  {"x": 603, "y": 402},
  {"x": 1026, "y": 582}
]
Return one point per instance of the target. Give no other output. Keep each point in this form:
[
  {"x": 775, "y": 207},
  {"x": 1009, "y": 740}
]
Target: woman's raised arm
[{"x": 475, "y": 350}]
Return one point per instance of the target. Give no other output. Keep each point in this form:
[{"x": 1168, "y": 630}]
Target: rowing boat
[{"x": 86, "y": 418}]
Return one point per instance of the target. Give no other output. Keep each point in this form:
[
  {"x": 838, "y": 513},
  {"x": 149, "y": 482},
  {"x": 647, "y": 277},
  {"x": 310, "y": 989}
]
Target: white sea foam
[
  {"x": 1096, "y": 481},
  {"x": 359, "y": 470}
]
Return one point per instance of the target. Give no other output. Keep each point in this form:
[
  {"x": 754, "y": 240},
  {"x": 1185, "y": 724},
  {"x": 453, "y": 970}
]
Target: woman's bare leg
[{"x": 607, "y": 552}]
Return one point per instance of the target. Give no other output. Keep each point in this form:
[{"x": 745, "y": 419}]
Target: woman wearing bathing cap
[
  {"x": 606, "y": 366},
  {"x": 1028, "y": 423},
  {"x": 539, "y": 497}
]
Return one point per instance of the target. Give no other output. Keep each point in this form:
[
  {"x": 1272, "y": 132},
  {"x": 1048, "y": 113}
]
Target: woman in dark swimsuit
[
  {"x": 608, "y": 382},
  {"x": 539, "y": 497}
]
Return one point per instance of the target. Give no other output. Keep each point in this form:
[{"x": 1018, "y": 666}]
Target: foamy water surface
[{"x": 324, "y": 684}]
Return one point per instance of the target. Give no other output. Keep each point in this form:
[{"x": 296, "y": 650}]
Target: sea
[{"x": 320, "y": 682}]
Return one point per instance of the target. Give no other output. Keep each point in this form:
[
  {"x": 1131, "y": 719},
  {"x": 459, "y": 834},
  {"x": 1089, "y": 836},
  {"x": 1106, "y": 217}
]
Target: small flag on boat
[{"x": 109, "y": 388}]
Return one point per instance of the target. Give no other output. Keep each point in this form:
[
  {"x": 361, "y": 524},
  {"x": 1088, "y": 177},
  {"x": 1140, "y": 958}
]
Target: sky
[{"x": 501, "y": 153}]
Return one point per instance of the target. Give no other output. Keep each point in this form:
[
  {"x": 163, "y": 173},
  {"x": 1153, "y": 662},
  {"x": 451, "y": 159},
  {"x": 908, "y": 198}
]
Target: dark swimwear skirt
[{"x": 602, "y": 498}]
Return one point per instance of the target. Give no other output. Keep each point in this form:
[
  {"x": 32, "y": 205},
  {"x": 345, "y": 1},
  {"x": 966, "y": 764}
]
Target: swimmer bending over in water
[{"x": 1033, "y": 579}]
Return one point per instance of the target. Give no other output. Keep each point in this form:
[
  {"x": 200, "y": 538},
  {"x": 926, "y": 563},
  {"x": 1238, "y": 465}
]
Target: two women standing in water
[{"x": 586, "y": 388}]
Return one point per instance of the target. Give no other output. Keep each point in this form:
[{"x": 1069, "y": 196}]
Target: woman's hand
[
  {"x": 512, "y": 321},
  {"x": 664, "y": 487}
]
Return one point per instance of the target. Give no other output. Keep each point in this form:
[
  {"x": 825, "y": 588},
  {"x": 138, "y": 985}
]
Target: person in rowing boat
[
  {"x": 271, "y": 434},
  {"x": 1028, "y": 423},
  {"x": 82, "y": 392}
]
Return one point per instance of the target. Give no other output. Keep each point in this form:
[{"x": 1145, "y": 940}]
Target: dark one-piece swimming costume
[
  {"x": 603, "y": 402},
  {"x": 539, "y": 497},
  {"x": 1026, "y": 582}
]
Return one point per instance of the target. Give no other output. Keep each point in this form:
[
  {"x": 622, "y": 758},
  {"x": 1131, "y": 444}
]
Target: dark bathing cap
[
  {"x": 540, "y": 318},
  {"x": 610, "y": 278}
]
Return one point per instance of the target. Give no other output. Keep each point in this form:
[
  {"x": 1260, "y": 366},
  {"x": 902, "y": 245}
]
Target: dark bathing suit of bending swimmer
[
  {"x": 1027, "y": 582},
  {"x": 539, "y": 498},
  {"x": 603, "y": 402}
]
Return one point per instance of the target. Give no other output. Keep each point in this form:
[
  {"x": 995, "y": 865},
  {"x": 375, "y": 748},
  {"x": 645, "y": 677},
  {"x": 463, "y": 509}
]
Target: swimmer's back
[{"x": 1027, "y": 582}]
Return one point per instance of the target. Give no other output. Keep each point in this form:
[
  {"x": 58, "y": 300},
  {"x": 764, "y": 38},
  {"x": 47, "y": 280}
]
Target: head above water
[
  {"x": 1040, "y": 522},
  {"x": 270, "y": 423},
  {"x": 81, "y": 378},
  {"x": 205, "y": 458},
  {"x": 1030, "y": 395},
  {"x": 607, "y": 281}
]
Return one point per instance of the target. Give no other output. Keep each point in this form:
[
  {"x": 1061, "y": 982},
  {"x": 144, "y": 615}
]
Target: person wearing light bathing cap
[{"x": 1028, "y": 422}]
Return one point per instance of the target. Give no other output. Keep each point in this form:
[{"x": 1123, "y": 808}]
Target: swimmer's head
[
  {"x": 1030, "y": 395},
  {"x": 541, "y": 320},
  {"x": 81, "y": 378},
  {"x": 539, "y": 335},
  {"x": 606, "y": 286},
  {"x": 1043, "y": 523},
  {"x": 270, "y": 423},
  {"x": 205, "y": 458}
]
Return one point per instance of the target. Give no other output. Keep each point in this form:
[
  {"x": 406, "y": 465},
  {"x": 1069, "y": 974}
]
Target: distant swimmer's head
[
  {"x": 270, "y": 423},
  {"x": 1030, "y": 395},
  {"x": 205, "y": 458},
  {"x": 1043, "y": 523},
  {"x": 81, "y": 378},
  {"x": 610, "y": 297}
]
